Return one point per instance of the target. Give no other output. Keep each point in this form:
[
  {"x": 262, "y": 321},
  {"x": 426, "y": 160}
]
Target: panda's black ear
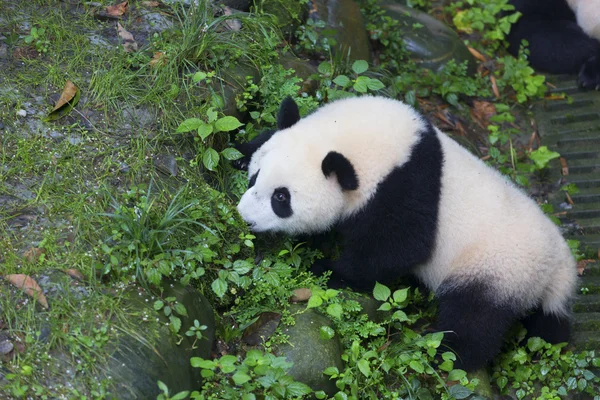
[
  {"x": 249, "y": 148},
  {"x": 343, "y": 169},
  {"x": 288, "y": 114}
]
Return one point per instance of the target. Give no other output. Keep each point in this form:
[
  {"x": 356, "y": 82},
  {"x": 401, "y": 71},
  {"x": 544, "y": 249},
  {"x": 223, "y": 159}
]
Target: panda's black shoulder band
[{"x": 343, "y": 168}]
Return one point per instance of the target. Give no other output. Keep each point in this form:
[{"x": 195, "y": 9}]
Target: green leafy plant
[
  {"x": 342, "y": 85},
  {"x": 540, "y": 370},
  {"x": 259, "y": 374},
  {"x": 206, "y": 130},
  {"x": 170, "y": 307},
  {"x": 37, "y": 37}
]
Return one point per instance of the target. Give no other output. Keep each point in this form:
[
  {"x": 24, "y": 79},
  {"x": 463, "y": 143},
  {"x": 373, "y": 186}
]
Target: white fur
[
  {"x": 587, "y": 13},
  {"x": 488, "y": 230},
  {"x": 292, "y": 158}
]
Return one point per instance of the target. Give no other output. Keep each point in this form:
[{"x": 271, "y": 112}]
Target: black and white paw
[{"x": 589, "y": 75}]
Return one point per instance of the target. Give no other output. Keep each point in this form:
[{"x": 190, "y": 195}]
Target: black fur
[
  {"x": 280, "y": 202},
  {"x": 475, "y": 324},
  {"x": 556, "y": 43},
  {"x": 551, "y": 328},
  {"x": 396, "y": 230},
  {"x": 252, "y": 180},
  {"x": 343, "y": 169},
  {"x": 288, "y": 114},
  {"x": 248, "y": 149}
]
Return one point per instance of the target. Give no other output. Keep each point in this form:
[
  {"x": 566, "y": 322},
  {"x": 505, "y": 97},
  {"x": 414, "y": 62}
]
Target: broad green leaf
[
  {"x": 199, "y": 76},
  {"x": 375, "y": 84},
  {"x": 190, "y": 124},
  {"x": 400, "y": 295},
  {"x": 381, "y": 292},
  {"x": 535, "y": 343},
  {"x": 239, "y": 378},
  {"x": 175, "y": 323},
  {"x": 331, "y": 371},
  {"x": 212, "y": 115},
  {"x": 219, "y": 286},
  {"x": 242, "y": 267},
  {"x": 298, "y": 389},
  {"x": 163, "y": 387},
  {"x": 199, "y": 362},
  {"x": 417, "y": 366},
  {"x": 360, "y": 66},
  {"x": 364, "y": 367},
  {"x": 181, "y": 395},
  {"x": 205, "y": 130},
  {"x": 326, "y": 332},
  {"x": 342, "y": 80},
  {"x": 385, "y": 307},
  {"x": 158, "y": 304},
  {"x": 456, "y": 375},
  {"x": 227, "y": 124},
  {"x": 210, "y": 159},
  {"x": 231, "y": 154},
  {"x": 324, "y": 68},
  {"x": 335, "y": 310},
  {"x": 360, "y": 85},
  {"x": 180, "y": 308},
  {"x": 314, "y": 301},
  {"x": 502, "y": 381},
  {"x": 459, "y": 392},
  {"x": 542, "y": 156}
]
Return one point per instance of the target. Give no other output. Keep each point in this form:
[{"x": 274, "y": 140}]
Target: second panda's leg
[
  {"x": 550, "y": 327},
  {"x": 475, "y": 323}
]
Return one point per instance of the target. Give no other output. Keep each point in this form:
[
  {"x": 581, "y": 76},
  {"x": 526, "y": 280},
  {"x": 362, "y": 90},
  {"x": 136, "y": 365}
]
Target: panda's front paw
[
  {"x": 321, "y": 266},
  {"x": 589, "y": 75}
]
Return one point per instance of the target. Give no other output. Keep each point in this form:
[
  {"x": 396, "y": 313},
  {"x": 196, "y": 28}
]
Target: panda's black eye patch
[
  {"x": 280, "y": 202},
  {"x": 252, "y": 180}
]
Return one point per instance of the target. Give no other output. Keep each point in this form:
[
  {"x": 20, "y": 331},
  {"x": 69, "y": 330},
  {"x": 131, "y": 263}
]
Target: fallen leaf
[
  {"x": 582, "y": 264},
  {"x": 158, "y": 59},
  {"x": 116, "y": 10},
  {"x": 29, "y": 286},
  {"x": 151, "y": 3},
  {"x": 301, "y": 294},
  {"x": 75, "y": 274},
  {"x": 33, "y": 254},
  {"x": 564, "y": 167},
  {"x": 67, "y": 101},
  {"x": 129, "y": 43},
  {"x": 476, "y": 54},
  {"x": 569, "y": 199},
  {"x": 495, "y": 87},
  {"x": 482, "y": 111}
]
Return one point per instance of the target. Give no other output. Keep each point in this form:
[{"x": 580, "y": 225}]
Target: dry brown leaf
[
  {"x": 33, "y": 254},
  {"x": 158, "y": 59},
  {"x": 75, "y": 274},
  {"x": 569, "y": 199},
  {"x": 129, "y": 43},
  {"x": 582, "y": 264},
  {"x": 482, "y": 111},
  {"x": 68, "y": 93},
  {"x": 301, "y": 294},
  {"x": 151, "y": 3},
  {"x": 564, "y": 167},
  {"x": 117, "y": 10},
  {"x": 476, "y": 54},
  {"x": 495, "y": 86},
  {"x": 29, "y": 286}
]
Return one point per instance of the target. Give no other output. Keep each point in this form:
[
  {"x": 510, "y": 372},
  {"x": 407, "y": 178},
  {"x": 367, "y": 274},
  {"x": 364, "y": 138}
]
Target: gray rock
[
  {"x": 434, "y": 43},
  {"x": 309, "y": 352}
]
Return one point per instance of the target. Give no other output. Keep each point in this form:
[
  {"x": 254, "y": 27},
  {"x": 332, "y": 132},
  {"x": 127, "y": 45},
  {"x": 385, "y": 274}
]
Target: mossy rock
[
  {"x": 105, "y": 340},
  {"x": 431, "y": 45},
  {"x": 310, "y": 353},
  {"x": 345, "y": 18},
  {"x": 288, "y": 14}
]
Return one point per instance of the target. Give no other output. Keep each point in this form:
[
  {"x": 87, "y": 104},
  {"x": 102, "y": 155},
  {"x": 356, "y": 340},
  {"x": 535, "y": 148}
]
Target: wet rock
[
  {"x": 302, "y": 69},
  {"x": 344, "y": 17},
  {"x": 140, "y": 116},
  {"x": 289, "y": 14},
  {"x": 166, "y": 164},
  {"x": 241, "y": 5},
  {"x": 6, "y": 347},
  {"x": 433, "y": 44},
  {"x": 155, "y": 22},
  {"x": 310, "y": 353},
  {"x": 132, "y": 353},
  {"x": 3, "y": 51},
  {"x": 1, "y": 126}
]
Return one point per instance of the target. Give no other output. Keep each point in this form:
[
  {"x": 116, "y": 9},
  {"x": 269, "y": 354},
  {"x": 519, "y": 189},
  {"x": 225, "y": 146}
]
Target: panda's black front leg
[{"x": 323, "y": 265}]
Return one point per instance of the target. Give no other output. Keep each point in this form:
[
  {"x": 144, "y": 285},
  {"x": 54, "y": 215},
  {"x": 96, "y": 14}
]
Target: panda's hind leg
[
  {"x": 550, "y": 327},
  {"x": 474, "y": 323}
]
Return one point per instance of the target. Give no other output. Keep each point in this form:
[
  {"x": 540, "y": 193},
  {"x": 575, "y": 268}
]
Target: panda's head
[{"x": 296, "y": 184}]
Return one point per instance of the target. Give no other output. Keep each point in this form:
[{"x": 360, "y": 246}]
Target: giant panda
[
  {"x": 563, "y": 36},
  {"x": 407, "y": 199}
]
